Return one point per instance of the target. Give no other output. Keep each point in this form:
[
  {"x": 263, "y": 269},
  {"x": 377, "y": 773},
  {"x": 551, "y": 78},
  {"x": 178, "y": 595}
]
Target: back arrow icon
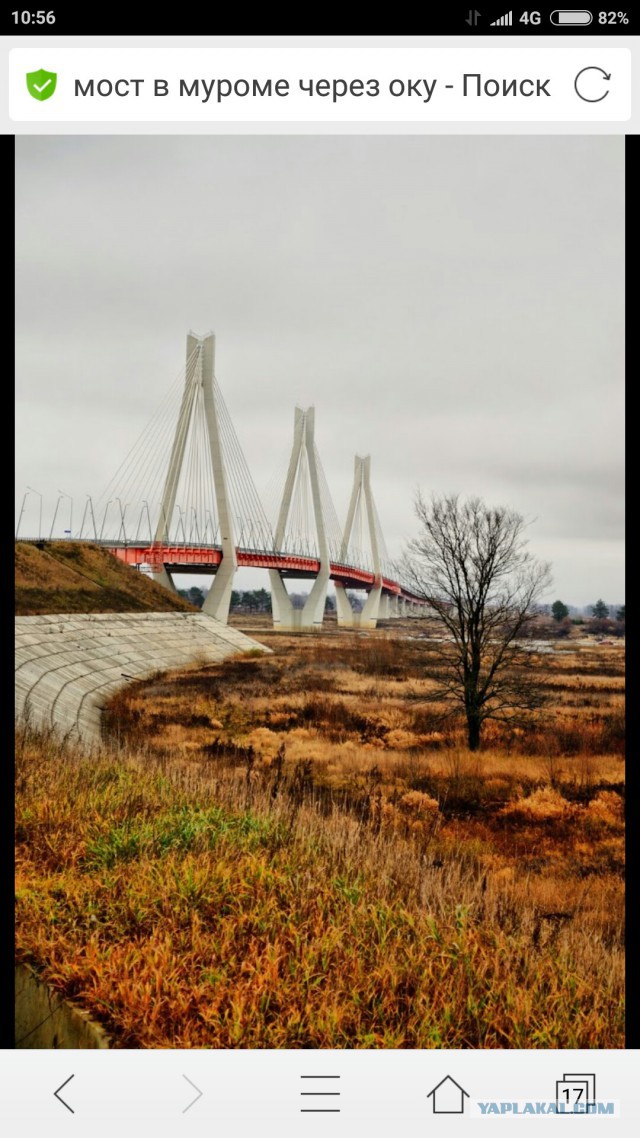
[
  {"x": 199, "y": 1094},
  {"x": 61, "y": 1099}
]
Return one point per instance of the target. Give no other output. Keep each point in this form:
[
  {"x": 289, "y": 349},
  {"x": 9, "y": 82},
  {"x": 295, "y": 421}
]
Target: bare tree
[{"x": 471, "y": 563}]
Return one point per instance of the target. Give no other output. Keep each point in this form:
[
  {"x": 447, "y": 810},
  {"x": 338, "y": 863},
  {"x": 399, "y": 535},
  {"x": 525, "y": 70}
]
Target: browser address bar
[{"x": 583, "y": 84}]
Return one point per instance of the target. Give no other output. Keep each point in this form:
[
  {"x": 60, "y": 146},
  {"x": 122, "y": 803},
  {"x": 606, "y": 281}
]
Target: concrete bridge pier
[
  {"x": 344, "y": 612},
  {"x": 307, "y": 619},
  {"x": 218, "y": 600},
  {"x": 371, "y": 611},
  {"x": 370, "y": 614},
  {"x": 165, "y": 579},
  {"x": 385, "y": 609}
]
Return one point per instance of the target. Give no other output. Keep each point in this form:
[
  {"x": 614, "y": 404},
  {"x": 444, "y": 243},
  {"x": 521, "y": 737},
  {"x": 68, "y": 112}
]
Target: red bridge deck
[{"x": 207, "y": 558}]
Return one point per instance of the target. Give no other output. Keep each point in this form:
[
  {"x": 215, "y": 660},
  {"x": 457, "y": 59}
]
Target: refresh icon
[{"x": 588, "y": 81}]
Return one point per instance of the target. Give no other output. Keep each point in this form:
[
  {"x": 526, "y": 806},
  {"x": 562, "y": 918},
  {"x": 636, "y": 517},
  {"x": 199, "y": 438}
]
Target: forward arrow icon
[{"x": 199, "y": 1094}]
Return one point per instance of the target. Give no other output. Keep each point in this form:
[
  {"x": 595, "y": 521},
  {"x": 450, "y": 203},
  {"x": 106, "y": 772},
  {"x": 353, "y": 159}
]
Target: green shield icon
[{"x": 41, "y": 84}]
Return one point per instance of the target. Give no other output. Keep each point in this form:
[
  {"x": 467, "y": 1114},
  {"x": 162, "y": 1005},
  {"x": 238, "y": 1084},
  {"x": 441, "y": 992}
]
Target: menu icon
[{"x": 320, "y": 1094}]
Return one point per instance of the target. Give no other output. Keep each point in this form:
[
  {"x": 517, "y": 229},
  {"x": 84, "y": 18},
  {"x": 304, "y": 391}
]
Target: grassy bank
[{"x": 77, "y": 577}]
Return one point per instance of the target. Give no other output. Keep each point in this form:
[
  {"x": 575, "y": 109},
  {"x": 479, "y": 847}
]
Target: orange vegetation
[{"x": 298, "y": 851}]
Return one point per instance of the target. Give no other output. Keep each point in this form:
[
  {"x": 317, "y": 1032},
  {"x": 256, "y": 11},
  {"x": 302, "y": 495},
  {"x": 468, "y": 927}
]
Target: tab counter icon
[{"x": 41, "y": 84}]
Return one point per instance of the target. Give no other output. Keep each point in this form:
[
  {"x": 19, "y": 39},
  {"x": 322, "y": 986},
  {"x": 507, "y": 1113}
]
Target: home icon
[{"x": 448, "y": 1097}]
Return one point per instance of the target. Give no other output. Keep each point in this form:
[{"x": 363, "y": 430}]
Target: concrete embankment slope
[{"x": 67, "y": 666}]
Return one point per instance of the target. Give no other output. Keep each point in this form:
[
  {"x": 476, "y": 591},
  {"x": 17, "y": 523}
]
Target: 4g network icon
[{"x": 41, "y": 84}]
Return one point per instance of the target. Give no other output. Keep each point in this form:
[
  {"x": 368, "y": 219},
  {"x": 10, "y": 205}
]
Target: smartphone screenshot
[{"x": 315, "y": 822}]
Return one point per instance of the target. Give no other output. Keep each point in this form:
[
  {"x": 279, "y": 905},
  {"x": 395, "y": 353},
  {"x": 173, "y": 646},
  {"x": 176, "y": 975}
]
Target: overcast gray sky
[{"x": 452, "y": 306}]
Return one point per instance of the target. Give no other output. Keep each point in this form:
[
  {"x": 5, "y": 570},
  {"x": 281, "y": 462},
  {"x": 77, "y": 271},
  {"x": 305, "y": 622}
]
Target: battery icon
[{"x": 571, "y": 19}]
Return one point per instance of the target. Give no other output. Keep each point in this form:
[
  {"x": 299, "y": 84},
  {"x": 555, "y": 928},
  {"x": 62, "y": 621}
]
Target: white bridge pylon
[
  {"x": 362, "y": 516},
  {"x": 199, "y": 385},
  {"x": 303, "y": 468}
]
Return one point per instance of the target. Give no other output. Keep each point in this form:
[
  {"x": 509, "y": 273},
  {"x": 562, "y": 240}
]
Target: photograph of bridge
[{"x": 363, "y": 816}]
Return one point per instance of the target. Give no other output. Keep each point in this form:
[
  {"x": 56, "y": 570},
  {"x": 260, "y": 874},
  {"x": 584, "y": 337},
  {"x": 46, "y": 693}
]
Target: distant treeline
[
  {"x": 558, "y": 619},
  {"x": 251, "y": 600}
]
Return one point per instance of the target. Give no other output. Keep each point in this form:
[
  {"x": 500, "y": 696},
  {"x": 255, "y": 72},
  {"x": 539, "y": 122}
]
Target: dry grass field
[{"x": 298, "y": 850}]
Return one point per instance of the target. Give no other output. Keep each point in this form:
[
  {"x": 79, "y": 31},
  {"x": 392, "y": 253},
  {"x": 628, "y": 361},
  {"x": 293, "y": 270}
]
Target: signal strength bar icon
[{"x": 503, "y": 22}]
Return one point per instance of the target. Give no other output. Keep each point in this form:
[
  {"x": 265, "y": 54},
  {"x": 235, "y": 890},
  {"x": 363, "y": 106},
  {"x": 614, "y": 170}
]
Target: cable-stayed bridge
[{"x": 183, "y": 501}]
